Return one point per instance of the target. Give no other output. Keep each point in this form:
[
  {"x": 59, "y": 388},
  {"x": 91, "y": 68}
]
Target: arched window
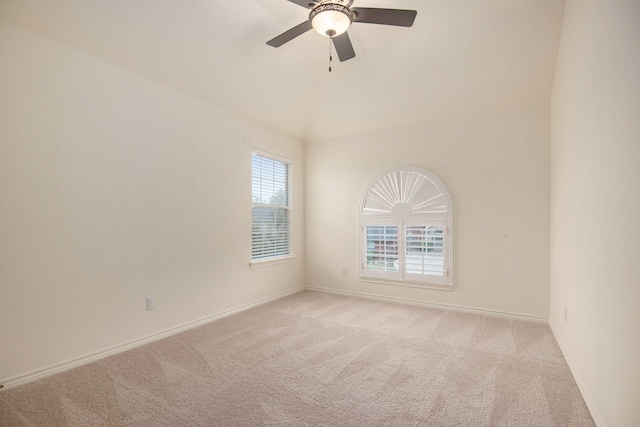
[{"x": 405, "y": 230}]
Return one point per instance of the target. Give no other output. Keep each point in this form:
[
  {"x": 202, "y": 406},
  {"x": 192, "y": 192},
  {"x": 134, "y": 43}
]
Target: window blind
[{"x": 271, "y": 216}]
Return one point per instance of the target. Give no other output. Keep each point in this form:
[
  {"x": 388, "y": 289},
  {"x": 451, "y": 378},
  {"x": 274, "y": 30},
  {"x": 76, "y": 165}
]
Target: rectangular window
[
  {"x": 271, "y": 207},
  {"x": 382, "y": 248},
  {"x": 407, "y": 250},
  {"x": 424, "y": 252}
]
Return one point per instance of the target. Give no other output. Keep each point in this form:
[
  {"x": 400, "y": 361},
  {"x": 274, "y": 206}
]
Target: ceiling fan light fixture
[{"x": 331, "y": 19}]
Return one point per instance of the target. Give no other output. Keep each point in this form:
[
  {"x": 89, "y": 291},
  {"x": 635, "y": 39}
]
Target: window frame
[
  {"x": 402, "y": 218},
  {"x": 278, "y": 258}
]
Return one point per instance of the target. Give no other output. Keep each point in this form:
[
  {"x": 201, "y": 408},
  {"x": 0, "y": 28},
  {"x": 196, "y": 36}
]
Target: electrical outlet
[
  {"x": 151, "y": 302},
  {"x": 565, "y": 313},
  {"x": 344, "y": 271}
]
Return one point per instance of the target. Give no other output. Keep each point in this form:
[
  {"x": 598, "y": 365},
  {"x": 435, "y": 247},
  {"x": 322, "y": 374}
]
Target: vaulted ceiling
[{"x": 460, "y": 57}]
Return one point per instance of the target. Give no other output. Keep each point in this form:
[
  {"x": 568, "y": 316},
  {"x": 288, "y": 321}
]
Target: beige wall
[
  {"x": 595, "y": 204},
  {"x": 496, "y": 169},
  {"x": 113, "y": 188}
]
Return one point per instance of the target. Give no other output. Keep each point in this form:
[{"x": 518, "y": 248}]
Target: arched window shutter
[{"x": 405, "y": 229}]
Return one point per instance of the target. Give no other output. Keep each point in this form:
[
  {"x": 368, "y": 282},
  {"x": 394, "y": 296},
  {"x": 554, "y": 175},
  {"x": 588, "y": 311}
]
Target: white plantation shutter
[
  {"x": 407, "y": 187},
  {"x": 382, "y": 250},
  {"x": 271, "y": 208},
  {"x": 405, "y": 231},
  {"x": 426, "y": 252}
]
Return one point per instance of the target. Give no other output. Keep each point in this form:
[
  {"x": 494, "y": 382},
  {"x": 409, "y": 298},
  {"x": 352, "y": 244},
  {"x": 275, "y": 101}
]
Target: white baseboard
[
  {"x": 74, "y": 363},
  {"x": 597, "y": 419},
  {"x": 472, "y": 310}
]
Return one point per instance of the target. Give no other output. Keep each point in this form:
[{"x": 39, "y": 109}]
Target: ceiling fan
[{"x": 332, "y": 18}]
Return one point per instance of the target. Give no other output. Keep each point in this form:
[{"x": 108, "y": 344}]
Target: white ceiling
[{"x": 460, "y": 57}]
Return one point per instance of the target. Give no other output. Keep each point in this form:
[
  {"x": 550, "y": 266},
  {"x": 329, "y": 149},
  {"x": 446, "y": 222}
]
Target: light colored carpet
[{"x": 314, "y": 359}]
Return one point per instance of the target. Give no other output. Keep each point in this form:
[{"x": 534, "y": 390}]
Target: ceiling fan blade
[
  {"x": 303, "y": 3},
  {"x": 290, "y": 35},
  {"x": 398, "y": 17},
  {"x": 343, "y": 46}
]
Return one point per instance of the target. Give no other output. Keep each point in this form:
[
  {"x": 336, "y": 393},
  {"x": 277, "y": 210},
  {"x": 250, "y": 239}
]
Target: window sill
[
  {"x": 420, "y": 285},
  {"x": 271, "y": 261}
]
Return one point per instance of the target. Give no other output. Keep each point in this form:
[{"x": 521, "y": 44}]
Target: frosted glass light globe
[{"x": 331, "y": 22}]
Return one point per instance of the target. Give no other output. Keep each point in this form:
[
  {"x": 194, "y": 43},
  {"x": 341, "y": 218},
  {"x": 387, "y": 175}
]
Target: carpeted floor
[{"x": 314, "y": 359}]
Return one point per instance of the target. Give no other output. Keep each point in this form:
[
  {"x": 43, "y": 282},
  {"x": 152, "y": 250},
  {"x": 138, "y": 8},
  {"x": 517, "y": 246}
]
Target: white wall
[
  {"x": 112, "y": 188},
  {"x": 496, "y": 169},
  {"x": 595, "y": 204}
]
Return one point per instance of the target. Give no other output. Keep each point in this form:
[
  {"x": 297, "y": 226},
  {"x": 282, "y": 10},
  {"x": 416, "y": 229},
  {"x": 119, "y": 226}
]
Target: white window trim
[
  {"x": 258, "y": 263},
  {"x": 271, "y": 261},
  {"x": 444, "y": 218},
  {"x": 407, "y": 284}
]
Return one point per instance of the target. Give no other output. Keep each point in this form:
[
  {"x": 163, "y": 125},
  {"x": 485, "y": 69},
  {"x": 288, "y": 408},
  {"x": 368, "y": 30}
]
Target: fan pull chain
[{"x": 330, "y": 52}]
